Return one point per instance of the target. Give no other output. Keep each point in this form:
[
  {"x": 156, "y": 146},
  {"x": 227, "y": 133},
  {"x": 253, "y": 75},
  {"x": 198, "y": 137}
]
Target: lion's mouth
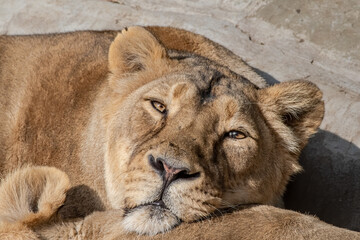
[
  {"x": 155, "y": 217},
  {"x": 157, "y": 204}
]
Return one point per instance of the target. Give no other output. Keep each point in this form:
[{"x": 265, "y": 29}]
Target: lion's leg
[
  {"x": 98, "y": 225},
  {"x": 254, "y": 223},
  {"x": 29, "y": 197}
]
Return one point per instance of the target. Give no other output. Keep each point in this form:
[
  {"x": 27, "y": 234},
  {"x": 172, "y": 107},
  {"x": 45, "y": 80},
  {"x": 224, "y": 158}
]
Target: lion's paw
[{"x": 31, "y": 195}]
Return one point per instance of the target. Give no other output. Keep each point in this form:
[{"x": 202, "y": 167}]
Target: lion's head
[{"x": 186, "y": 136}]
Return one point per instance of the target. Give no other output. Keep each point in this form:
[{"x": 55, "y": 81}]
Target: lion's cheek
[
  {"x": 115, "y": 161},
  {"x": 129, "y": 183},
  {"x": 190, "y": 203},
  {"x": 115, "y": 192}
]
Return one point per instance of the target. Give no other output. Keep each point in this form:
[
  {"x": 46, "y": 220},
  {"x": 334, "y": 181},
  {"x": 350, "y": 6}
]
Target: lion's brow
[{"x": 215, "y": 79}]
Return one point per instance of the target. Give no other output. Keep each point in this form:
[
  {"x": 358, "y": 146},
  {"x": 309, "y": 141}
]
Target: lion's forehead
[
  {"x": 210, "y": 81},
  {"x": 210, "y": 87}
]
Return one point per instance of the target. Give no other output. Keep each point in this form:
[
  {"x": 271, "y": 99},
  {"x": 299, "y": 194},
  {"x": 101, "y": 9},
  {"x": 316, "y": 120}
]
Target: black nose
[{"x": 168, "y": 172}]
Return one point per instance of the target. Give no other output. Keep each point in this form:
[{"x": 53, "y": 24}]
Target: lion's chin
[{"x": 150, "y": 220}]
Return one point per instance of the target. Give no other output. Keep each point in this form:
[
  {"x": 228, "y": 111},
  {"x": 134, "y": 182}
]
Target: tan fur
[
  {"x": 83, "y": 102},
  {"x": 30, "y": 197},
  {"x": 253, "y": 223}
]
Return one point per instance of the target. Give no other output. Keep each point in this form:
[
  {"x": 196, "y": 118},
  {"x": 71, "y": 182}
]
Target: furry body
[{"x": 157, "y": 127}]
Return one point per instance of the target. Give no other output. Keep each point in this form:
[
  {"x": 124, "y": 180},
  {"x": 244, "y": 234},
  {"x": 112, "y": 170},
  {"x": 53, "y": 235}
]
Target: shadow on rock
[
  {"x": 329, "y": 186},
  {"x": 268, "y": 78}
]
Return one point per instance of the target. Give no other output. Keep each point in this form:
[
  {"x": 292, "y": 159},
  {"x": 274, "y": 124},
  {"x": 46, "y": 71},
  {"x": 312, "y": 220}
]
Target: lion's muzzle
[{"x": 169, "y": 172}]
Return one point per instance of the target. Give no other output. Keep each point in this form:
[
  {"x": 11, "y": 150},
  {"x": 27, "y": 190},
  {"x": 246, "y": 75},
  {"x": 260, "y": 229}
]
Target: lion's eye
[
  {"x": 236, "y": 135},
  {"x": 159, "y": 106}
]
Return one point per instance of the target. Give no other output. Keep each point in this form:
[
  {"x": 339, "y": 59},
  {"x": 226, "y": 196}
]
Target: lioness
[{"x": 160, "y": 124}]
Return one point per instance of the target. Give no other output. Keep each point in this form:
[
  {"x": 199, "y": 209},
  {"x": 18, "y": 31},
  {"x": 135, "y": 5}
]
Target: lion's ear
[
  {"x": 133, "y": 50},
  {"x": 294, "y": 109}
]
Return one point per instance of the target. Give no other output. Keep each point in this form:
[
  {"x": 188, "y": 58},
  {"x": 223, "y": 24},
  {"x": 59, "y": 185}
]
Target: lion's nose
[{"x": 168, "y": 172}]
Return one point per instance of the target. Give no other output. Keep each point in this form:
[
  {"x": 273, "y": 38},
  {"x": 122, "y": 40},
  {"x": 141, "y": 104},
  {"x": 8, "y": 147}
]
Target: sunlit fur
[
  {"x": 150, "y": 220},
  {"x": 89, "y": 113},
  {"x": 204, "y": 101},
  {"x": 28, "y": 197}
]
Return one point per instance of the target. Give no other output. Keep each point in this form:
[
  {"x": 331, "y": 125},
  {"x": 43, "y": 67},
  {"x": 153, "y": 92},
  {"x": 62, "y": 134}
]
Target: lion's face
[{"x": 191, "y": 139}]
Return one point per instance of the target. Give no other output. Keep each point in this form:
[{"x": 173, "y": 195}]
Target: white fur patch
[{"x": 149, "y": 220}]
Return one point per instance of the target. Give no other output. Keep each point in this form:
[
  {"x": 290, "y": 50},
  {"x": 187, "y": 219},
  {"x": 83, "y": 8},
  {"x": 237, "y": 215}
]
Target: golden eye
[
  {"x": 159, "y": 106},
  {"x": 236, "y": 135}
]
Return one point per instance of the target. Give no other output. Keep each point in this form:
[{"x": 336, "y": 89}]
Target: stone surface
[{"x": 317, "y": 40}]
